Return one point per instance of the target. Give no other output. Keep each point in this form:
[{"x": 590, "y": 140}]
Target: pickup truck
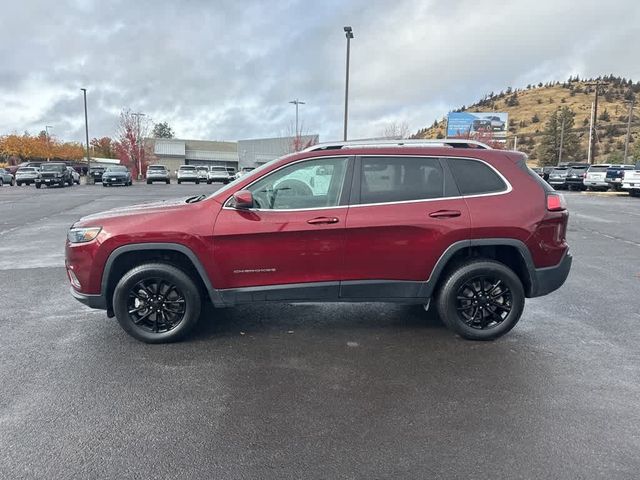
[{"x": 631, "y": 181}]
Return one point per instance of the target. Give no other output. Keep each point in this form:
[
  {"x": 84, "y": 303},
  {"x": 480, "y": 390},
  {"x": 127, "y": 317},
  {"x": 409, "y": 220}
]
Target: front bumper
[
  {"x": 548, "y": 279},
  {"x": 115, "y": 180},
  {"x": 596, "y": 183},
  {"x": 92, "y": 301},
  {"x": 50, "y": 180}
]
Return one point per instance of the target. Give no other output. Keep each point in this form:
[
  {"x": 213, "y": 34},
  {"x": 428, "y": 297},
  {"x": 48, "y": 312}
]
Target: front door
[{"x": 292, "y": 242}]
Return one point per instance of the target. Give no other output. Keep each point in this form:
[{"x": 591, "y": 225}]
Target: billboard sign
[{"x": 471, "y": 124}]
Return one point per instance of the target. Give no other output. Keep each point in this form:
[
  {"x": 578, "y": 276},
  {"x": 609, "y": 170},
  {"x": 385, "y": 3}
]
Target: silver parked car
[
  {"x": 26, "y": 175},
  {"x": 75, "y": 175},
  {"x": 188, "y": 173},
  {"x": 6, "y": 178},
  {"x": 218, "y": 174},
  {"x": 158, "y": 173}
]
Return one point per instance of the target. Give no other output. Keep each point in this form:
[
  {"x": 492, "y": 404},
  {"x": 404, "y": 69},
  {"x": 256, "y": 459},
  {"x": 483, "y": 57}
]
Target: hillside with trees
[{"x": 536, "y": 113}]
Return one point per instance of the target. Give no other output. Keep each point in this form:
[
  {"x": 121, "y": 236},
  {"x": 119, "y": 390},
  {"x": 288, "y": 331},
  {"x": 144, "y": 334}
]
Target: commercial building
[{"x": 173, "y": 152}]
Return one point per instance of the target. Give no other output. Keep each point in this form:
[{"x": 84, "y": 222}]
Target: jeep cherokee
[{"x": 454, "y": 223}]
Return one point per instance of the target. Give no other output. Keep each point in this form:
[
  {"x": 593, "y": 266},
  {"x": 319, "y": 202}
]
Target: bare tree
[
  {"x": 299, "y": 140},
  {"x": 132, "y": 129},
  {"x": 396, "y": 130}
]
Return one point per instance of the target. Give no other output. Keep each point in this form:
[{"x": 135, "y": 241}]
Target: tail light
[{"x": 556, "y": 202}]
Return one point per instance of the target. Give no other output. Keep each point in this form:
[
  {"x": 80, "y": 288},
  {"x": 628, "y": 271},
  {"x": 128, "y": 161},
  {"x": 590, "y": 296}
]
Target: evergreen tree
[
  {"x": 162, "y": 130},
  {"x": 549, "y": 148}
]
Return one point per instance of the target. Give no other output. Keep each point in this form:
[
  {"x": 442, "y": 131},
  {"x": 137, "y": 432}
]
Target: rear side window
[
  {"x": 397, "y": 179},
  {"x": 474, "y": 177}
]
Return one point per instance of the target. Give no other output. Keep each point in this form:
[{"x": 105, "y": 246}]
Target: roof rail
[{"x": 445, "y": 142}]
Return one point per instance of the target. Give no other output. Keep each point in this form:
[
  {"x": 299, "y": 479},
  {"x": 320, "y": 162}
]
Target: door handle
[
  {"x": 445, "y": 214},
  {"x": 323, "y": 220}
]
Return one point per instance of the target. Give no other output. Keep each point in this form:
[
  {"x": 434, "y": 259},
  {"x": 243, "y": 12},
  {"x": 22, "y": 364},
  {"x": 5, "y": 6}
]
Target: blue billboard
[{"x": 469, "y": 124}]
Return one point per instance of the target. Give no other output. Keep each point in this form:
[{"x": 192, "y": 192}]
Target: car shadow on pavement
[{"x": 277, "y": 317}]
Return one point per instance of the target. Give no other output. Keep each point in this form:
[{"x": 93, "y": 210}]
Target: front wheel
[
  {"x": 197, "y": 182},
  {"x": 157, "y": 303},
  {"x": 38, "y": 185},
  {"x": 481, "y": 300},
  {"x": 168, "y": 182}
]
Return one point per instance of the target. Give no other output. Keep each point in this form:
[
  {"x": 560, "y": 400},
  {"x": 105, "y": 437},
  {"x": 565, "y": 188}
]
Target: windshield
[
  {"x": 560, "y": 169},
  {"x": 53, "y": 168},
  {"x": 219, "y": 169},
  {"x": 187, "y": 168},
  {"x": 157, "y": 167},
  {"x": 27, "y": 169},
  {"x": 116, "y": 169},
  {"x": 599, "y": 168}
]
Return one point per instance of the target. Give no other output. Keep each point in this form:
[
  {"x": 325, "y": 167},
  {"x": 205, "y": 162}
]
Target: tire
[
  {"x": 19, "y": 184},
  {"x": 168, "y": 182},
  {"x": 149, "y": 182},
  {"x": 179, "y": 182},
  {"x": 1, "y": 182},
  {"x": 208, "y": 182},
  {"x": 38, "y": 185},
  {"x": 460, "y": 282},
  {"x": 634, "y": 193},
  {"x": 145, "y": 280},
  {"x": 104, "y": 185},
  {"x": 197, "y": 182}
]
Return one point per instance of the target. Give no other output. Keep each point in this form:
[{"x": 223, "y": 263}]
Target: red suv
[{"x": 471, "y": 228}]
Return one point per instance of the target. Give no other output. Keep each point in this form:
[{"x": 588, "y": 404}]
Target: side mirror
[{"x": 243, "y": 199}]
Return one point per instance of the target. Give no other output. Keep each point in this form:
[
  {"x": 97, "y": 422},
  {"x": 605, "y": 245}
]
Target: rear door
[
  {"x": 295, "y": 234},
  {"x": 405, "y": 212}
]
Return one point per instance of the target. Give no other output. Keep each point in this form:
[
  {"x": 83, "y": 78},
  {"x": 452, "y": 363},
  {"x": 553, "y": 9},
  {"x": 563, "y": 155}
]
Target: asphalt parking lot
[{"x": 317, "y": 391}]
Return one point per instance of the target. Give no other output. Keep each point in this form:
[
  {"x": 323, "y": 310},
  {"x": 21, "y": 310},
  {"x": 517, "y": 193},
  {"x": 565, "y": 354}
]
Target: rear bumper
[
  {"x": 92, "y": 301},
  {"x": 546, "y": 280}
]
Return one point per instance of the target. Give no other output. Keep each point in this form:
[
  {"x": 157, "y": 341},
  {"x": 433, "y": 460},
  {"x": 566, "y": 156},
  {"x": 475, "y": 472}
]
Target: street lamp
[
  {"x": 138, "y": 115},
  {"x": 297, "y": 102},
  {"x": 86, "y": 131},
  {"x": 46, "y": 134},
  {"x": 348, "y": 31}
]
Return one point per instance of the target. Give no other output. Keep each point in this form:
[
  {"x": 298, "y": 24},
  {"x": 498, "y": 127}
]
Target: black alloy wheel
[
  {"x": 156, "y": 305},
  {"x": 483, "y": 302},
  {"x": 481, "y": 299}
]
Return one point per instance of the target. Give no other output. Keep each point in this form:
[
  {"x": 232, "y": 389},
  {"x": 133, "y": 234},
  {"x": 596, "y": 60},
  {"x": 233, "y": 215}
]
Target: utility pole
[
  {"x": 626, "y": 140},
  {"x": 590, "y": 148},
  {"x": 349, "y": 34},
  {"x": 139, "y": 153},
  {"x": 561, "y": 140},
  {"x": 86, "y": 130},
  {"x": 594, "y": 128},
  {"x": 297, "y": 102}
]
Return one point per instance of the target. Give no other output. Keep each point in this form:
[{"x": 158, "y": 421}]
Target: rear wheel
[
  {"x": 481, "y": 300},
  {"x": 38, "y": 185},
  {"x": 1, "y": 182},
  {"x": 19, "y": 184},
  {"x": 157, "y": 303},
  {"x": 168, "y": 181}
]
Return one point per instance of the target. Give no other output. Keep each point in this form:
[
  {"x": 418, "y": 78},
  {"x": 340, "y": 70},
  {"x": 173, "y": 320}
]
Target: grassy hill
[{"x": 530, "y": 107}]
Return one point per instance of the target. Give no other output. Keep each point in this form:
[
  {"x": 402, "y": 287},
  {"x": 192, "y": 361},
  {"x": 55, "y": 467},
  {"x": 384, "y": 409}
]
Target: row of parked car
[
  {"x": 195, "y": 174},
  {"x": 602, "y": 177},
  {"x": 39, "y": 174}
]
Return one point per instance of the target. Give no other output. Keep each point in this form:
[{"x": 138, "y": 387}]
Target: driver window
[{"x": 308, "y": 184}]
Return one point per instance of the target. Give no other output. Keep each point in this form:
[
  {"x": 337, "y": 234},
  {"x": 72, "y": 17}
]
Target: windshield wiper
[{"x": 196, "y": 198}]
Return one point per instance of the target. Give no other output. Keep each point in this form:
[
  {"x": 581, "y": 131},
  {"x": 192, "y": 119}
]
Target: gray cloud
[{"x": 227, "y": 69}]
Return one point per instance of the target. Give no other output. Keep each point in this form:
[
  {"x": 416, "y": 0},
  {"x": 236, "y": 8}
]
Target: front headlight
[{"x": 82, "y": 235}]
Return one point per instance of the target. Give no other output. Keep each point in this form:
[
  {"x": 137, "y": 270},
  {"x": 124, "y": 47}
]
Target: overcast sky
[{"x": 226, "y": 70}]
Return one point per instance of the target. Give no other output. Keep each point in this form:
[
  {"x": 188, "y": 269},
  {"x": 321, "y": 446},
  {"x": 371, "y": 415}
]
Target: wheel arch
[
  {"x": 123, "y": 258},
  {"x": 511, "y": 252}
]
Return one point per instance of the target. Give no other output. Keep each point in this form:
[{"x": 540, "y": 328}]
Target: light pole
[
  {"x": 86, "y": 130},
  {"x": 297, "y": 102},
  {"x": 348, "y": 31},
  {"x": 138, "y": 115},
  {"x": 46, "y": 133}
]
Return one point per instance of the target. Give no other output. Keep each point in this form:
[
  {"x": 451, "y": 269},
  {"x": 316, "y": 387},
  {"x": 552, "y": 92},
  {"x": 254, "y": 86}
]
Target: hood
[
  {"x": 115, "y": 174},
  {"x": 141, "y": 209}
]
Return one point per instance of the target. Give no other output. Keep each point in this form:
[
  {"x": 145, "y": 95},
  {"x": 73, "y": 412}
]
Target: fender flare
[
  {"x": 454, "y": 248},
  {"x": 214, "y": 295}
]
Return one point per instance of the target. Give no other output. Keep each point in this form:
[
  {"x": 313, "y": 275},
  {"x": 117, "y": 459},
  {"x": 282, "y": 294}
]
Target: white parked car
[
  {"x": 26, "y": 175},
  {"x": 631, "y": 181},
  {"x": 218, "y": 174},
  {"x": 203, "y": 173},
  {"x": 595, "y": 179},
  {"x": 188, "y": 173},
  {"x": 242, "y": 171}
]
